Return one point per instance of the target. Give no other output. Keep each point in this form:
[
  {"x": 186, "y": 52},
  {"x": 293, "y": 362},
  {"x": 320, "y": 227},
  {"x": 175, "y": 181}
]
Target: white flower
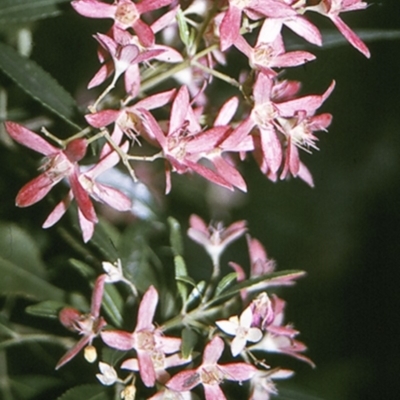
[
  {"x": 108, "y": 374},
  {"x": 113, "y": 271},
  {"x": 241, "y": 329}
]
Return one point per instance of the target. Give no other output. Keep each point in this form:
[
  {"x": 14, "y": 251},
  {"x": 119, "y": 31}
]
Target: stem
[
  {"x": 217, "y": 74},
  {"x": 146, "y": 158}
]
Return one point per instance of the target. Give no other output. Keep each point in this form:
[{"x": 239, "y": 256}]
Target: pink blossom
[
  {"x": 332, "y": 9},
  {"x": 260, "y": 264},
  {"x": 262, "y": 385},
  {"x": 272, "y": 27},
  {"x": 125, "y": 13},
  {"x": 185, "y": 142},
  {"x": 125, "y": 60},
  {"x": 280, "y": 338},
  {"x": 269, "y": 115},
  {"x": 128, "y": 120},
  {"x": 160, "y": 361},
  {"x": 146, "y": 339},
  {"x": 255, "y": 9},
  {"x": 87, "y": 325},
  {"x": 59, "y": 164},
  {"x": 211, "y": 374},
  {"x": 102, "y": 193},
  {"x": 271, "y": 54},
  {"x": 214, "y": 239}
]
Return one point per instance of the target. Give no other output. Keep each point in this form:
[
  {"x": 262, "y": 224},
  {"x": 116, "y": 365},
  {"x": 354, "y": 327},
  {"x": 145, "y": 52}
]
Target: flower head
[
  {"x": 87, "y": 325},
  {"x": 146, "y": 339},
  {"x": 211, "y": 374},
  {"x": 59, "y": 164},
  {"x": 241, "y": 329}
]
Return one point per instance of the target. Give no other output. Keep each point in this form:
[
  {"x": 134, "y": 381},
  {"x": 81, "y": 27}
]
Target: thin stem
[
  {"x": 217, "y": 74},
  {"x": 146, "y": 158},
  {"x": 111, "y": 86}
]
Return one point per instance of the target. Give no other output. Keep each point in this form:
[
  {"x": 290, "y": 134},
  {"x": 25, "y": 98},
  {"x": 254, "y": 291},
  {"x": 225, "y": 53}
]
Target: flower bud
[
  {"x": 263, "y": 313},
  {"x": 90, "y": 354},
  {"x": 129, "y": 393}
]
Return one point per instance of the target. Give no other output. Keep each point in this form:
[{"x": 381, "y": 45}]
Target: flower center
[
  {"x": 145, "y": 340},
  {"x": 57, "y": 167},
  {"x": 263, "y": 114},
  {"x": 211, "y": 375},
  {"x": 126, "y": 14},
  {"x": 262, "y": 55}
]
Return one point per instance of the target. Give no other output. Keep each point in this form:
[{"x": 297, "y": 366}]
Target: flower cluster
[
  {"x": 169, "y": 54},
  {"x": 274, "y": 122},
  {"x": 149, "y": 352}
]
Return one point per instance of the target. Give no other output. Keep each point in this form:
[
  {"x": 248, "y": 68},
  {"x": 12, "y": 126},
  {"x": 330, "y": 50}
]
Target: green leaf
[
  {"x": 18, "y": 247},
  {"x": 85, "y": 392},
  {"x": 196, "y": 293},
  {"x": 12, "y": 11},
  {"x": 18, "y": 281},
  {"x": 253, "y": 284},
  {"x": 105, "y": 239},
  {"x": 84, "y": 269},
  {"x": 47, "y": 309},
  {"x": 136, "y": 255},
  {"x": 32, "y": 386},
  {"x": 225, "y": 282},
  {"x": 184, "y": 30},
  {"x": 37, "y": 83},
  {"x": 189, "y": 340},
  {"x": 113, "y": 305},
  {"x": 187, "y": 279},
  {"x": 181, "y": 271},
  {"x": 175, "y": 236}
]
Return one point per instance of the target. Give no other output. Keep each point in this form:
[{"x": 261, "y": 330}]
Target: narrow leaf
[
  {"x": 20, "y": 282},
  {"x": 113, "y": 305},
  {"x": 181, "y": 271},
  {"x": 47, "y": 309},
  {"x": 12, "y": 11},
  {"x": 189, "y": 340},
  {"x": 184, "y": 31},
  {"x": 37, "y": 83},
  {"x": 225, "y": 282},
  {"x": 267, "y": 278},
  {"x": 175, "y": 236},
  {"x": 85, "y": 392},
  {"x": 196, "y": 293}
]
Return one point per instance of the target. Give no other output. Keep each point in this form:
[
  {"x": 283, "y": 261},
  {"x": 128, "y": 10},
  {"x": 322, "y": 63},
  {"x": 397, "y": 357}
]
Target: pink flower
[
  {"x": 272, "y": 27},
  {"x": 255, "y": 9},
  {"x": 262, "y": 385},
  {"x": 146, "y": 339},
  {"x": 214, "y": 239},
  {"x": 260, "y": 264},
  {"x": 125, "y": 14},
  {"x": 128, "y": 120},
  {"x": 270, "y": 115},
  {"x": 87, "y": 325},
  {"x": 126, "y": 58},
  {"x": 101, "y": 193},
  {"x": 160, "y": 363},
  {"x": 185, "y": 142},
  {"x": 59, "y": 164},
  {"x": 242, "y": 330},
  {"x": 280, "y": 338},
  {"x": 271, "y": 54},
  {"x": 332, "y": 9},
  {"x": 210, "y": 374}
]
